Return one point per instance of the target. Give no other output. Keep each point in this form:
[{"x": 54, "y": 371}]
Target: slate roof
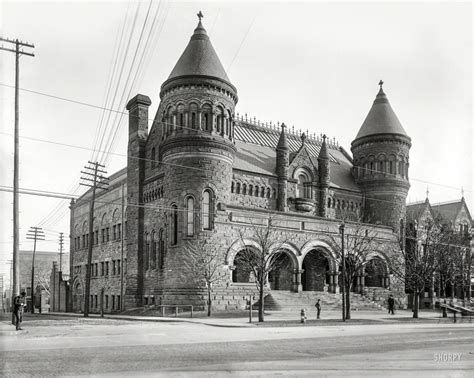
[
  {"x": 416, "y": 209},
  {"x": 448, "y": 211},
  {"x": 381, "y": 119},
  {"x": 199, "y": 58},
  {"x": 256, "y": 152}
]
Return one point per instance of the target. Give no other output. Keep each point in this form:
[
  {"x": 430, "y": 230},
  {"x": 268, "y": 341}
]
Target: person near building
[
  {"x": 391, "y": 305},
  {"x": 318, "y": 308},
  {"x": 18, "y": 303}
]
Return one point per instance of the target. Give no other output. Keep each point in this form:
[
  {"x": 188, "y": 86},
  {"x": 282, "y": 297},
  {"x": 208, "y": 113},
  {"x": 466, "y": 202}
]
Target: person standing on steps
[
  {"x": 318, "y": 308},
  {"x": 391, "y": 305}
]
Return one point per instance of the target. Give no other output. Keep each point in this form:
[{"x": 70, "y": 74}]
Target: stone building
[
  {"x": 201, "y": 171},
  {"x": 455, "y": 220}
]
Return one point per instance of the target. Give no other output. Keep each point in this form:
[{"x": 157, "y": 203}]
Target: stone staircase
[{"x": 280, "y": 300}]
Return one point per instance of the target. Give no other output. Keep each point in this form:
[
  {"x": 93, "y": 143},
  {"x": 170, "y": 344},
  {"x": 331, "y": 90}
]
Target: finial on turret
[
  {"x": 380, "y": 83},
  {"x": 200, "y": 15},
  {"x": 462, "y": 192},
  {"x": 427, "y": 193},
  {"x": 303, "y": 138}
]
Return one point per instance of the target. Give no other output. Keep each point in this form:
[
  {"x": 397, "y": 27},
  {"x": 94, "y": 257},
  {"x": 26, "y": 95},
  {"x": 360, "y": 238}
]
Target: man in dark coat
[
  {"x": 18, "y": 303},
  {"x": 391, "y": 305},
  {"x": 318, "y": 307}
]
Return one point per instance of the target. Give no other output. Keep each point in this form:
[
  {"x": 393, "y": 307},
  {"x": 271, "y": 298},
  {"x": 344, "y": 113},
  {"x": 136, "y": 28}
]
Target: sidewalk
[{"x": 282, "y": 318}]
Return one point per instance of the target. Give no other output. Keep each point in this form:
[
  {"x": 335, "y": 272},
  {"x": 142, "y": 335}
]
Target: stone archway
[
  {"x": 316, "y": 271},
  {"x": 240, "y": 273},
  {"x": 281, "y": 277},
  {"x": 376, "y": 273}
]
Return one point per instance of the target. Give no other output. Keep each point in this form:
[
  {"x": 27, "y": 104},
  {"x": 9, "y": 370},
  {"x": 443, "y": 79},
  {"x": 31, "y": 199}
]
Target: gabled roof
[
  {"x": 381, "y": 119},
  {"x": 415, "y": 210},
  {"x": 449, "y": 211},
  {"x": 256, "y": 152},
  {"x": 199, "y": 58}
]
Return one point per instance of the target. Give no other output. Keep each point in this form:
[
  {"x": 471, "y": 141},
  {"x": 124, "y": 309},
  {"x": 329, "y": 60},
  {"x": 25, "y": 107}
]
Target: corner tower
[
  {"x": 381, "y": 161},
  {"x": 197, "y": 146}
]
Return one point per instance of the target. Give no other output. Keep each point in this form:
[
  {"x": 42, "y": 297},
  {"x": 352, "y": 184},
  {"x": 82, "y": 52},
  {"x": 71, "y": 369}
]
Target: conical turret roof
[
  {"x": 199, "y": 58},
  {"x": 381, "y": 119}
]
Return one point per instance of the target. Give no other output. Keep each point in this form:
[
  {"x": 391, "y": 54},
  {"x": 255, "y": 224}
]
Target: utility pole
[
  {"x": 341, "y": 230},
  {"x": 16, "y": 225},
  {"x": 36, "y": 234},
  {"x": 93, "y": 178},
  {"x": 61, "y": 244},
  {"x": 60, "y": 273}
]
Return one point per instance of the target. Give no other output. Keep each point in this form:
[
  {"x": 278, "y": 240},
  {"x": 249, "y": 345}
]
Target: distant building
[
  {"x": 43, "y": 264},
  {"x": 454, "y": 218},
  {"x": 2, "y": 294}
]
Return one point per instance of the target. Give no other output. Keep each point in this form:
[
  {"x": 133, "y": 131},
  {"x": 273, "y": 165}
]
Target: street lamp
[{"x": 341, "y": 231}]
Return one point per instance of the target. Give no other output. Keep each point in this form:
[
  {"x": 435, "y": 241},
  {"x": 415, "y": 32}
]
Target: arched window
[
  {"x": 262, "y": 192},
  {"x": 193, "y": 109},
  {"x": 174, "y": 224},
  {"x": 268, "y": 193},
  {"x": 250, "y": 190},
  {"x": 329, "y": 202},
  {"x": 153, "y": 157},
  {"x": 190, "y": 216},
  {"x": 244, "y": 189},
  {"x": 206, "y": 210},
  {"x": 238, "y": 188},
  {"x": 161, "y": 250},
  {"x": 303, "y": 189},
  {"x": 154, "y": 242},
  {"x": 206, "y": 117},
  {"x": 147, "y": 252},
  {"x": 232, "y": 185}
]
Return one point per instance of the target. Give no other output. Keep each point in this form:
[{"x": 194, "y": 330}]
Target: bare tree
[
  {"x": 450, "y": 263},
  {"x": 417, "y": 263},
  {"x": 205, "y": 264},
  {"x": 359, "y": 242},
  {"x": 263, "y": 258}
]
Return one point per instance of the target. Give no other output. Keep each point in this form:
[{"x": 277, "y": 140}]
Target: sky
[{"x": 314, "y": 65}]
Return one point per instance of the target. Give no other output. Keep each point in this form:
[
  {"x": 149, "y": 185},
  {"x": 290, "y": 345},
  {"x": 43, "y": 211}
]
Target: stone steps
[{"x": 285, "y": 300}]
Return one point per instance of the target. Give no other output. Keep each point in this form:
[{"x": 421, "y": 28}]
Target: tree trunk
[
  {"x": 348, "y": 302},
  {"x": 416, "y": 305},
  {"x": 209, "y": 301},
  {"x": 260, "y": 303}
]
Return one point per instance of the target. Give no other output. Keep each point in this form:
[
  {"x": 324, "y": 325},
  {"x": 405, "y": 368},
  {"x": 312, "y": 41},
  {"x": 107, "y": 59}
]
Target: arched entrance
[
  {"x": 241, "y": 272},
  {"x": 316, "y": 267},
  {"x": 375, "y": 273},
  {"x": 281, "y": 276},
  {"x": 78, "y": 298}
]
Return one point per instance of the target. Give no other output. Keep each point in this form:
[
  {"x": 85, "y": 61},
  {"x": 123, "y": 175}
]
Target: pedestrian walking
[
  {"x": 391, "y": 305},
  {"x": 18, "y": 303},
  {"x": 318, "y": 308}
]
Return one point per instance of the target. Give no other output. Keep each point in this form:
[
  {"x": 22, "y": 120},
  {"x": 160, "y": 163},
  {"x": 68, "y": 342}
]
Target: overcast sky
[{"x": 313, "y": 65}]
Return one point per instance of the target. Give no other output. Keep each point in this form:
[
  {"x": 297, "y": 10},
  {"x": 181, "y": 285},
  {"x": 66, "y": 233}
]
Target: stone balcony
[{"x": 304, "y": 204}]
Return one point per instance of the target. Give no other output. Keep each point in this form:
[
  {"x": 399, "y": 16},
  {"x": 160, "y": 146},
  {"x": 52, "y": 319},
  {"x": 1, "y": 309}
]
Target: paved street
[{"x": 59, "y": 346}]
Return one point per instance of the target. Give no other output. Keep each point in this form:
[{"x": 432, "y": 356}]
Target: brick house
[{"x": 201, "y": 171}]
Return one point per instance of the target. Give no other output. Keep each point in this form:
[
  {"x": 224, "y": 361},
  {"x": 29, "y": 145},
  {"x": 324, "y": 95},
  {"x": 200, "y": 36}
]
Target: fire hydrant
[{"x": 303, "y": 315}]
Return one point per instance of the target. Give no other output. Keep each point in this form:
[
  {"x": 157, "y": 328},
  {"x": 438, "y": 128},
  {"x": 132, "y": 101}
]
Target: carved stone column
[
  {"x": 199, "y": 120},
  {"x": 297, "y": 286}
]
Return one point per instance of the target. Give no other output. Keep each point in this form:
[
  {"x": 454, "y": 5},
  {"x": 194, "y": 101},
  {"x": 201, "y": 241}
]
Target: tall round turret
[
  {"x": 381, "y": 161},
  {"x": 197, "y": 136}
]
